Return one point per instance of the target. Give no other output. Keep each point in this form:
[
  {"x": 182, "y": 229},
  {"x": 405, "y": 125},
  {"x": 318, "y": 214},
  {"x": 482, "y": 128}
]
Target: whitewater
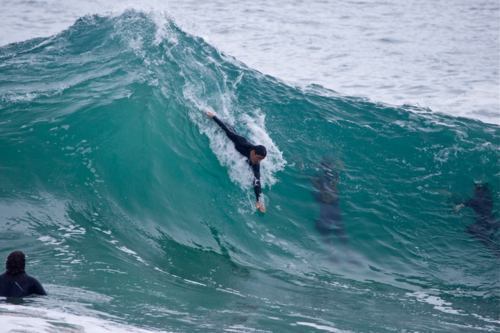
[
  {"x": 137, "y": 214},
  {"x": 424, "y": 53}
]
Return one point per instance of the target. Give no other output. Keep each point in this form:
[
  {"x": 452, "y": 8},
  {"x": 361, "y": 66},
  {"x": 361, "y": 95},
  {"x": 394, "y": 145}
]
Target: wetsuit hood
[{"x": 16, "y": 262}]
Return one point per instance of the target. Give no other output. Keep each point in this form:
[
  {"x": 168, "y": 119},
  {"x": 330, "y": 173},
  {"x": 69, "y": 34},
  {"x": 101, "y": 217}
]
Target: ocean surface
[
  {"x": 137, "y": 214},
  {"x": 438, "y": 54}
]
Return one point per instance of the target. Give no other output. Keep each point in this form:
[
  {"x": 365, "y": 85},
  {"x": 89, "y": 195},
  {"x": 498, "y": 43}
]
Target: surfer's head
[
  {"x": 15, "y": 263},
  {"x": 257, "y": 154}
]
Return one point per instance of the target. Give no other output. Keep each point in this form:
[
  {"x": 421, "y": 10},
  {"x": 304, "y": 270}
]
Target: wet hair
[
  {"x": 15, "y": 263},
  {"x": 260, "y": 150}
]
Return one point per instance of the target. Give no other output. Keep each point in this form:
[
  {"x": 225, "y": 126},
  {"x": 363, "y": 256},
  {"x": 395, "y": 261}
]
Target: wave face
[{"x": 132, "y": 205}]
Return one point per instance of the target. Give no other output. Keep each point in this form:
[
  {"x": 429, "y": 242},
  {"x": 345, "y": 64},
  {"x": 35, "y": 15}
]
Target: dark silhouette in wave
[
  {"x": 486, "y": 225},
  {"x": 330, "y": 222}
]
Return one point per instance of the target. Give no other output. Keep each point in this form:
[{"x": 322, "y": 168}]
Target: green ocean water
[{"x": 131, "y": 205}]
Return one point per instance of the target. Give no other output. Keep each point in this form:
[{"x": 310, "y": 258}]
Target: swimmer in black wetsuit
[
  {"x": 15, "y": 282},
  {"x": 327, "y": 194},
  {"x": 253, "y": 153},
  {"x": 486, "y": 225}
]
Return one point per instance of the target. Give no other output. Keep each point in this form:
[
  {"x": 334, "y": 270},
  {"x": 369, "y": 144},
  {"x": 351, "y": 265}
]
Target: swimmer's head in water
[
  {"x": 15, "y": 263},
  {"x": 482, "y": 189},
  {"x": 257, "y": 154},
  {"x": 481, "y": 186}
]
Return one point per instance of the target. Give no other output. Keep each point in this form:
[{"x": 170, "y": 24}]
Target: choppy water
[
  {"x": 435, "y": 54},
  {"x": 136, "y": 212}
]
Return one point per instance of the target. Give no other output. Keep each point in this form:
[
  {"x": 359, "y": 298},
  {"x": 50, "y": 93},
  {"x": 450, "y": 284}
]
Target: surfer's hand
[
  {"x": 210, "y": 114},
  {"x": 260, "y": 206}
]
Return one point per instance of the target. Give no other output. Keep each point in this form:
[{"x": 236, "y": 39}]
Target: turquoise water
[
  {"x": 430, "y": 53},
  {"x": 133, "y": 207}
]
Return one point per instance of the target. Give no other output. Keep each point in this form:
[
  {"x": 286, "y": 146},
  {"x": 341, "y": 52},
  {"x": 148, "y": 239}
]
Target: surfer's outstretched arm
[
  {"x": 257, "y": 188},
  {"x": 256, "y": 182},
  {"x": 230, "y": 134}
]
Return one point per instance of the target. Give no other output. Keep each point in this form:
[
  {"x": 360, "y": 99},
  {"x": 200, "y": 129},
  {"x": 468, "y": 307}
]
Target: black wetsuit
[
  {"x": 243, "y": 147},
  {"x": 19, "y": 285},
  {"x": 330, "y": 218},
  {"x": 486, "y": 225}
]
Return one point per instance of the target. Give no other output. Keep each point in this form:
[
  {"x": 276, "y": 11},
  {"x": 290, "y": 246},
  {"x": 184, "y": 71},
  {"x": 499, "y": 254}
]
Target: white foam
[
  {"x": 437, "y": 302},
  {"x": 17, "y": 318},
  {"x": 230, "y": 291},
  {"x": 319, "y": 327},
  {"x": 274, "y": 161},
  {"x": 132, "y": 253},
  {"x": 358, "y": 50},
  {"x": 488, "y": 320},
  {"x": 254, "y": 123},
  {"x": 242, "y": 329},
  {"x": 446, "y": 61},
  {"x": 237, "y": 165},
  {"x": 195, "y": 283}
]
